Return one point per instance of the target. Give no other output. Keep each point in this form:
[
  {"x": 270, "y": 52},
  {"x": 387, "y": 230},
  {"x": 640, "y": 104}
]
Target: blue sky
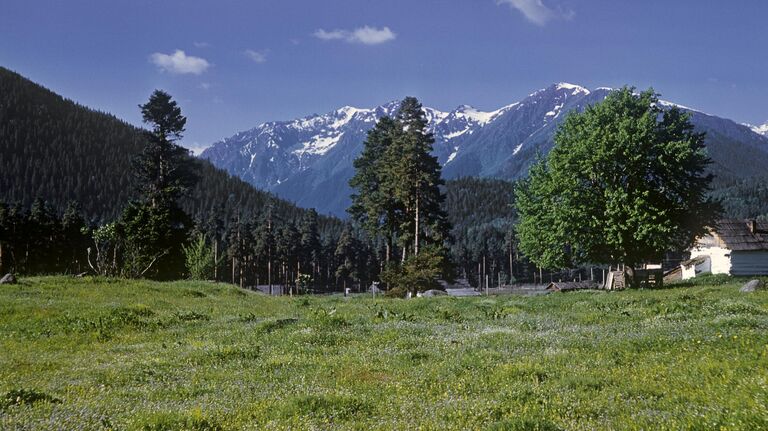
[{"x": 234, "y": 64}]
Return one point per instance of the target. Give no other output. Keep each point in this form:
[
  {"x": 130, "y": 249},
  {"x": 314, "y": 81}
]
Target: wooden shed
[
  {"x": 733, "y": 247},
  {"x": 567, "y": 286}
]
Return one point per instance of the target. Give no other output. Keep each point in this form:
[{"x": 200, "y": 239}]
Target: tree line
[{"x": 155, "y": 237}]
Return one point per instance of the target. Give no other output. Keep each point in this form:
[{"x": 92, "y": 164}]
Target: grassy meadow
[{"x": 140, "y": 355}]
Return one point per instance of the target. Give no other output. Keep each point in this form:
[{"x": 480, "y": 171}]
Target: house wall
[
  {"x": 719, "y": 262},
  {"x": 690, "y": 271},
  {"x": 753, "y": 262}
]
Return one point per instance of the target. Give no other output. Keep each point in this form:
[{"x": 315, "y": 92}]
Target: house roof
[
  {"x": 736, "y": 234},
  {"x": 698, "y": 260}
]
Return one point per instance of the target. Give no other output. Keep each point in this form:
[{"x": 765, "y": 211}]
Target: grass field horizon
[{"x": 97, "y": 353}]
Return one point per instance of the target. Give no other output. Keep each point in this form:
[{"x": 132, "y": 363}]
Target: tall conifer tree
[{"x": 155, "y": 225}]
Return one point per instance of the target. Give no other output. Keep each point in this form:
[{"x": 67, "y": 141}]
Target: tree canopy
[{"x": 624, "y": 183}]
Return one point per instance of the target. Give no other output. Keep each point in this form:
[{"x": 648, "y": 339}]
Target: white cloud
[
  {"x": 366, "y": 35},
  {"x": 256, "y": 56},
  {"x": 201, "y": 44},
  {"x": 330, "y": 35},
  {"x": 536, "y": 11},
  {"x": 205, "y": 85},
  {"x": 179, "y": 63},
  {"x": 372, "y": 35}
]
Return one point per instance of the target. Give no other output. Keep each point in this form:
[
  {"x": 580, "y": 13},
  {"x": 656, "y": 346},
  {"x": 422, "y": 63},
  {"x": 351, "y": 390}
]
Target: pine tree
[
  {"x": 348, "y": 254},
  {"x": 76, "y": 241},
  {"x": 310, "y": 245},
  {"x": 373, "y": 205},
  {"x": 155, "y": 225},
  {"x": 287, "y": 246},
  {"x": 264, "y": 245},
  {"x": 236, "y": 250},
  {"x": 163, "y": 171},
  {"x": 413, "y": 179},
  {"x": 397, "y": 182},
  {"x": 42, "y": 230}
]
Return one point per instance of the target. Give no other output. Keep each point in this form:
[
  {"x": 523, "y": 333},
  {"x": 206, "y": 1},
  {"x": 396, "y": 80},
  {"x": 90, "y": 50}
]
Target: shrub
[
  {"x": 396, "y": 292},
  {"x": 198, "y": 258}
]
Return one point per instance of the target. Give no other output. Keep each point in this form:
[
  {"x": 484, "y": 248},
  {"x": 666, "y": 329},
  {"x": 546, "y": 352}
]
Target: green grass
[{"x": 139, "y": 355}]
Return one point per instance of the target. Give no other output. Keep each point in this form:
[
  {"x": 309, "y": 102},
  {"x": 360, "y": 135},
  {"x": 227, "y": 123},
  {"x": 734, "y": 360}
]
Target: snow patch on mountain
[
  {"x": 555, "y": 111},
  {"x": 452, "y": 155},
  {"x": 319, "y": 145},
  {"x": 760, "y": 130},
  {"x": 474, "y": 115},
  {"x": 669, "y": 104}
]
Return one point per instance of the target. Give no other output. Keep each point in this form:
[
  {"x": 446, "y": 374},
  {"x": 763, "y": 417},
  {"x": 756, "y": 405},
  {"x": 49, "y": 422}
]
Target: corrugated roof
[{"x": 736, "y": 234}]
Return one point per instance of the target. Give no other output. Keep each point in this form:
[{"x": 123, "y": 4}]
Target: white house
[{"x": 733, "y": 247}]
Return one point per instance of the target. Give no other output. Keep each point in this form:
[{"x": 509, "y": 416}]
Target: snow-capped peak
[
  {"x": 575, "y": 89},
  {"x": 572, "y": 89},
  {"x": 350, "y": 111},
  {"x": 760, "y": 130}
]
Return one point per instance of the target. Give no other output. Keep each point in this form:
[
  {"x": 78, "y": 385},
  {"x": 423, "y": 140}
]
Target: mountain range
[{"x": 309, "y": 160}]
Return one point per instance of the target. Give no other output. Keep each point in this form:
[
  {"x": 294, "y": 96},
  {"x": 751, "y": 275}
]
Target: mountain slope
[
  {"x": 55, "y": 149},
  {"x": 309, "y": 160}
]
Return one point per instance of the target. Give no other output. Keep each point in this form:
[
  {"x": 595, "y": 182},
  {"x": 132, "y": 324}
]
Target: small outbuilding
[
  {"x": 733, "y": 247},
  {"x": 567, "y": 286}
]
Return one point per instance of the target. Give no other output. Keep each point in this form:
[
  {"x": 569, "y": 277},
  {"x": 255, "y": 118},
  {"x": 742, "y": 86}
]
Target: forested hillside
[
  {"x": 481, "y": 212},
  {"x": 57, "y": 150}
]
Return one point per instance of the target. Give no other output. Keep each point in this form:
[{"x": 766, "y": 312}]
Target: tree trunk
[
  {"x": 630, "y": 276},
  {"x": 479, "y": 275},
  {"x": 416, "y": 233},
  {"x": 485, "y": 277},
  {"x": 215, "y": 259}
]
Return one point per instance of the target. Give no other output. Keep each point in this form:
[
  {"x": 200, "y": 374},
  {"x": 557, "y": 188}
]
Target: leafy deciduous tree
[{"x": 624, "y": 183}]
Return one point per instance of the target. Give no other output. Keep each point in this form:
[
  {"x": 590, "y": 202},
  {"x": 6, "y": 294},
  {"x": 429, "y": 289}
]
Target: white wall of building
[{"x": 718, "y": 262}]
